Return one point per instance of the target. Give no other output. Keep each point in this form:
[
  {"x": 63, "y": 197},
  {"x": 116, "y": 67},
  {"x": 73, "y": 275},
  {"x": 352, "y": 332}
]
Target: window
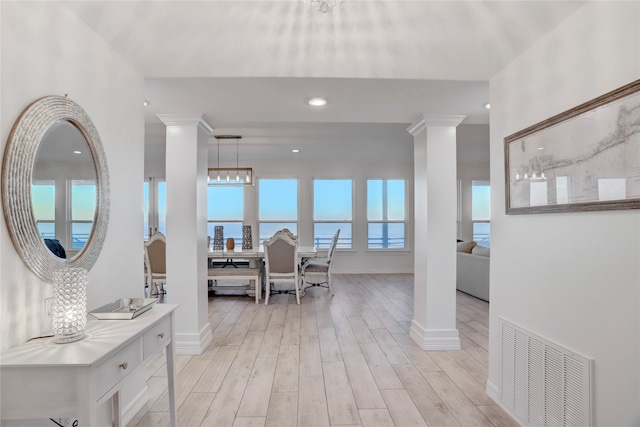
[
  {"x": 76, "y": 202},
  {"x": 481, "y": 212},
  {"x": 386, "y": 213},
  {"x": 145, "y": 202},
  {"x": 162, "y": 207},
  {"x": 155, "y": 207},
  {"x": 277, "y": 206},
  {"x": 332, "y": 210},
  {"x": 43, "y": 196},
  {"x": 83, "y": 208},
  {"x": 225, "y": 207}
]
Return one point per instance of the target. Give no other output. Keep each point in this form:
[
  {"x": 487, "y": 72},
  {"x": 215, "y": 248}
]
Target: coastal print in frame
[{"x": 585, "y": 159}]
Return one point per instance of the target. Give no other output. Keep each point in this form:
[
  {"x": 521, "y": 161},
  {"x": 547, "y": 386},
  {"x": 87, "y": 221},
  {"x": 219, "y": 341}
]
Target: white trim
[
  {"x": 186, "y": 119},
  {"x": 388, "y": 251},
  {"x": 194, "y": 344},
  {"x": 434, "y": 120},
  {"x": 434, "y": 339},
  {"x": 493, "y": 391},
  {"x": 417, "y": 126},
  {"x": 135, "y": 406},
  {"x": 364, "y": 270},
  {"x": 442, "y": 120}
]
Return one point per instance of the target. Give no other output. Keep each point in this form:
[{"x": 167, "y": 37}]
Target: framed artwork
[{"x": 584, "y": 159}]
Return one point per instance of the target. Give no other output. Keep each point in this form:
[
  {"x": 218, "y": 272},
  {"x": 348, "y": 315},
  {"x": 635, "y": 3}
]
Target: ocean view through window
[
  {"x": 277, "y": 206},
  {"x": 225, "y": 207},
  {"x": 83, "y": 209},
  {"x": 481, "y": 212},
  {"x": 332, "y": 210},
  {"x": 43, "y": 200},
  {"x": 386, "y": 214}
]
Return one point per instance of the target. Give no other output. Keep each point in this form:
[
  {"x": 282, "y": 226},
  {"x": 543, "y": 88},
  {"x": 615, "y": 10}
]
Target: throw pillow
[
  {"x": 480, "y": 250},
  {"x": 466, "y": 246}
]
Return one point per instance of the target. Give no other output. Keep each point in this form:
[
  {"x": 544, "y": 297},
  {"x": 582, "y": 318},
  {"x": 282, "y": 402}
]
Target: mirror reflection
[{"x": 63, "y": 189}]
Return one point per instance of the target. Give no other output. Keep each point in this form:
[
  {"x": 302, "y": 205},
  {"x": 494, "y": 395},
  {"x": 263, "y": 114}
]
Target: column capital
[
  {"x": 434, "y": 120},
  {"x": 186, "y": 119}
]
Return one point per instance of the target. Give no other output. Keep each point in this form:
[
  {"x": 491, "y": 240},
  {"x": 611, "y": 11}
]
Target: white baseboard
[
  {"x": 194, "y": 344},
  {"x": 438, "y": 339},
  {"x": 135, "y": 406},
  {"x": 373, "y": 271},
  {"x": 493, "y": 391}
]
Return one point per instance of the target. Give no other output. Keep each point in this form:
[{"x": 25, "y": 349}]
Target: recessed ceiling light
[
  {"x": 317, "y": 102},
  {"x": 295, "y": 150},
  {"x": 487, "y": 106},
  {"x": 146, "y": 103},
  {"x": 540, "y": 148},
  {"x": 77, "y": 152}
]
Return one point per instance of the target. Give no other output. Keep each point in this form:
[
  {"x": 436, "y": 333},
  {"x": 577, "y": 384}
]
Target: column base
[
  {"x": 194, "y": 344},
  {"x": 434, "y": 339}
]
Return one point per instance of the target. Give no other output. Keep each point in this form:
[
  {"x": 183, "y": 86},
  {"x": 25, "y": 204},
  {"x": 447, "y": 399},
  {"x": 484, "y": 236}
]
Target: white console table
[{"x": 42, "y": 379}]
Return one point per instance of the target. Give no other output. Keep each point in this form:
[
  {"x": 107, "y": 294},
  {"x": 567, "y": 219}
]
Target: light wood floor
[{"x": 330, "y": 361}]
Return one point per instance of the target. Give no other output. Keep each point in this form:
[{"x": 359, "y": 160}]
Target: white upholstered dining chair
[
  {"x": 319, "y": 267},
  {"x": 155, "y": 258},
  {"x": 281, "y": 262}
]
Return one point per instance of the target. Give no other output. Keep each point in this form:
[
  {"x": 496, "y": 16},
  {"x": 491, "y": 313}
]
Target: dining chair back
[
  {"x": 281, "y": 262},
  {"x": 320, "y": 266},
  {"x": 155, "y": 250}
]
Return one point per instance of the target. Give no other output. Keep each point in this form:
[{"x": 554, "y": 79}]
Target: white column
[
  {"x": 186, "y": 177},
  {"x": 435, "y": 202}
]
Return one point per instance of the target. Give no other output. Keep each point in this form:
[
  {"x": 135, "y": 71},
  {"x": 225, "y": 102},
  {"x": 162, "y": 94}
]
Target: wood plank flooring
[{"x": 345, "y": 360}]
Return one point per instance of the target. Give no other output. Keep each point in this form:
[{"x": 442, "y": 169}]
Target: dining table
[
  {"x": 252, "y": 254},
  {"x": 252, "y": 259}
]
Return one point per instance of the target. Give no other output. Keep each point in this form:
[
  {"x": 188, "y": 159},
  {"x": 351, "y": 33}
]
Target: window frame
[
  {"x": 47, "y": 182},
  {"x": 71, "y": 183},
  {"x": 153, "y": 225},
  {"x": 277, "y": 221},
  {"x": 486, "y": 183},
  {"x": 341, "y": 239},
  {"x": 237, "y": 239},
  {"x": 404, "y": 221}
]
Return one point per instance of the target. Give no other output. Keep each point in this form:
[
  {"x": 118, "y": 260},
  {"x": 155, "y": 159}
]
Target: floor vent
[{"x": 541, "y": 382}]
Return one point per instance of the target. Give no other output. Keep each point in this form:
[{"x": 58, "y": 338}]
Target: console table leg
[
  {"x": 117, "y": 419},
  {"x": 171, "y": 383}
]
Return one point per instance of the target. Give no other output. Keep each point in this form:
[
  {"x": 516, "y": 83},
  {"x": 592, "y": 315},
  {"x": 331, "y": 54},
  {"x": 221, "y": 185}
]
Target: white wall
[
  {"x": 573, "y": 278},
  {"x": 47, "y": 50}
]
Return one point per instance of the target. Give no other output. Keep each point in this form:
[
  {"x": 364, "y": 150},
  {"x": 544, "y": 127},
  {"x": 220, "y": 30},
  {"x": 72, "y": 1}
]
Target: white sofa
[{"x": 473, "y": 270}]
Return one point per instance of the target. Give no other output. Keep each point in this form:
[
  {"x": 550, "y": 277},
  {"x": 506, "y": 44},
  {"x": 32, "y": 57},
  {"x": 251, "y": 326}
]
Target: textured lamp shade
[{"x": 69, "y": 304}]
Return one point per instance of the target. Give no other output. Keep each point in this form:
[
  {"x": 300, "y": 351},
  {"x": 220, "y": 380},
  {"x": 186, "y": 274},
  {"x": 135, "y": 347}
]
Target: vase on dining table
[
  {"x": 218, "y": 238},
  {"x": 247, "y": 240}
]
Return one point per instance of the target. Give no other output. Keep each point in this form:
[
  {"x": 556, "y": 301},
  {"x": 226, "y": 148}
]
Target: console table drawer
[
  {"x": 156, "y": 337},
  {"x": 118, "y": 366}
]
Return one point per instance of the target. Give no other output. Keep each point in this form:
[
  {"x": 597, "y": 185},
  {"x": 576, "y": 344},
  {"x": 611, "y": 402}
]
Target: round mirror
[
  {"x": 55, "y": 187},
  {"x": 63, "y": 190}
]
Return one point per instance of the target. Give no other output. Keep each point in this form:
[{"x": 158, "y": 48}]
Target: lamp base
[{"x": 64, "y": 339}]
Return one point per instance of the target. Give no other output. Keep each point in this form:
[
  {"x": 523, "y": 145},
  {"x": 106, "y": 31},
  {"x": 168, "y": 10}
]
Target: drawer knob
[
  {"x": 124, "y": 365},
  {"x": 161, "y": 335}
]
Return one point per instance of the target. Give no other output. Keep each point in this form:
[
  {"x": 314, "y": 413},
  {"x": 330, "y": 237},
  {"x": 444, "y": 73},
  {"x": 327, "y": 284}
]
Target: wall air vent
[{"x": 542, "y": 383}]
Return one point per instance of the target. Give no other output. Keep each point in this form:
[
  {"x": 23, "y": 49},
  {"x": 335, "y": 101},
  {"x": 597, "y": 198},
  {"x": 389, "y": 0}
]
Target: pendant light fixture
[{"x": 241, "y": 176}]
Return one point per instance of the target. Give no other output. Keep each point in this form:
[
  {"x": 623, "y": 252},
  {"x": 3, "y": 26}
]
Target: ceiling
[{"x": 250, "y": 66}]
